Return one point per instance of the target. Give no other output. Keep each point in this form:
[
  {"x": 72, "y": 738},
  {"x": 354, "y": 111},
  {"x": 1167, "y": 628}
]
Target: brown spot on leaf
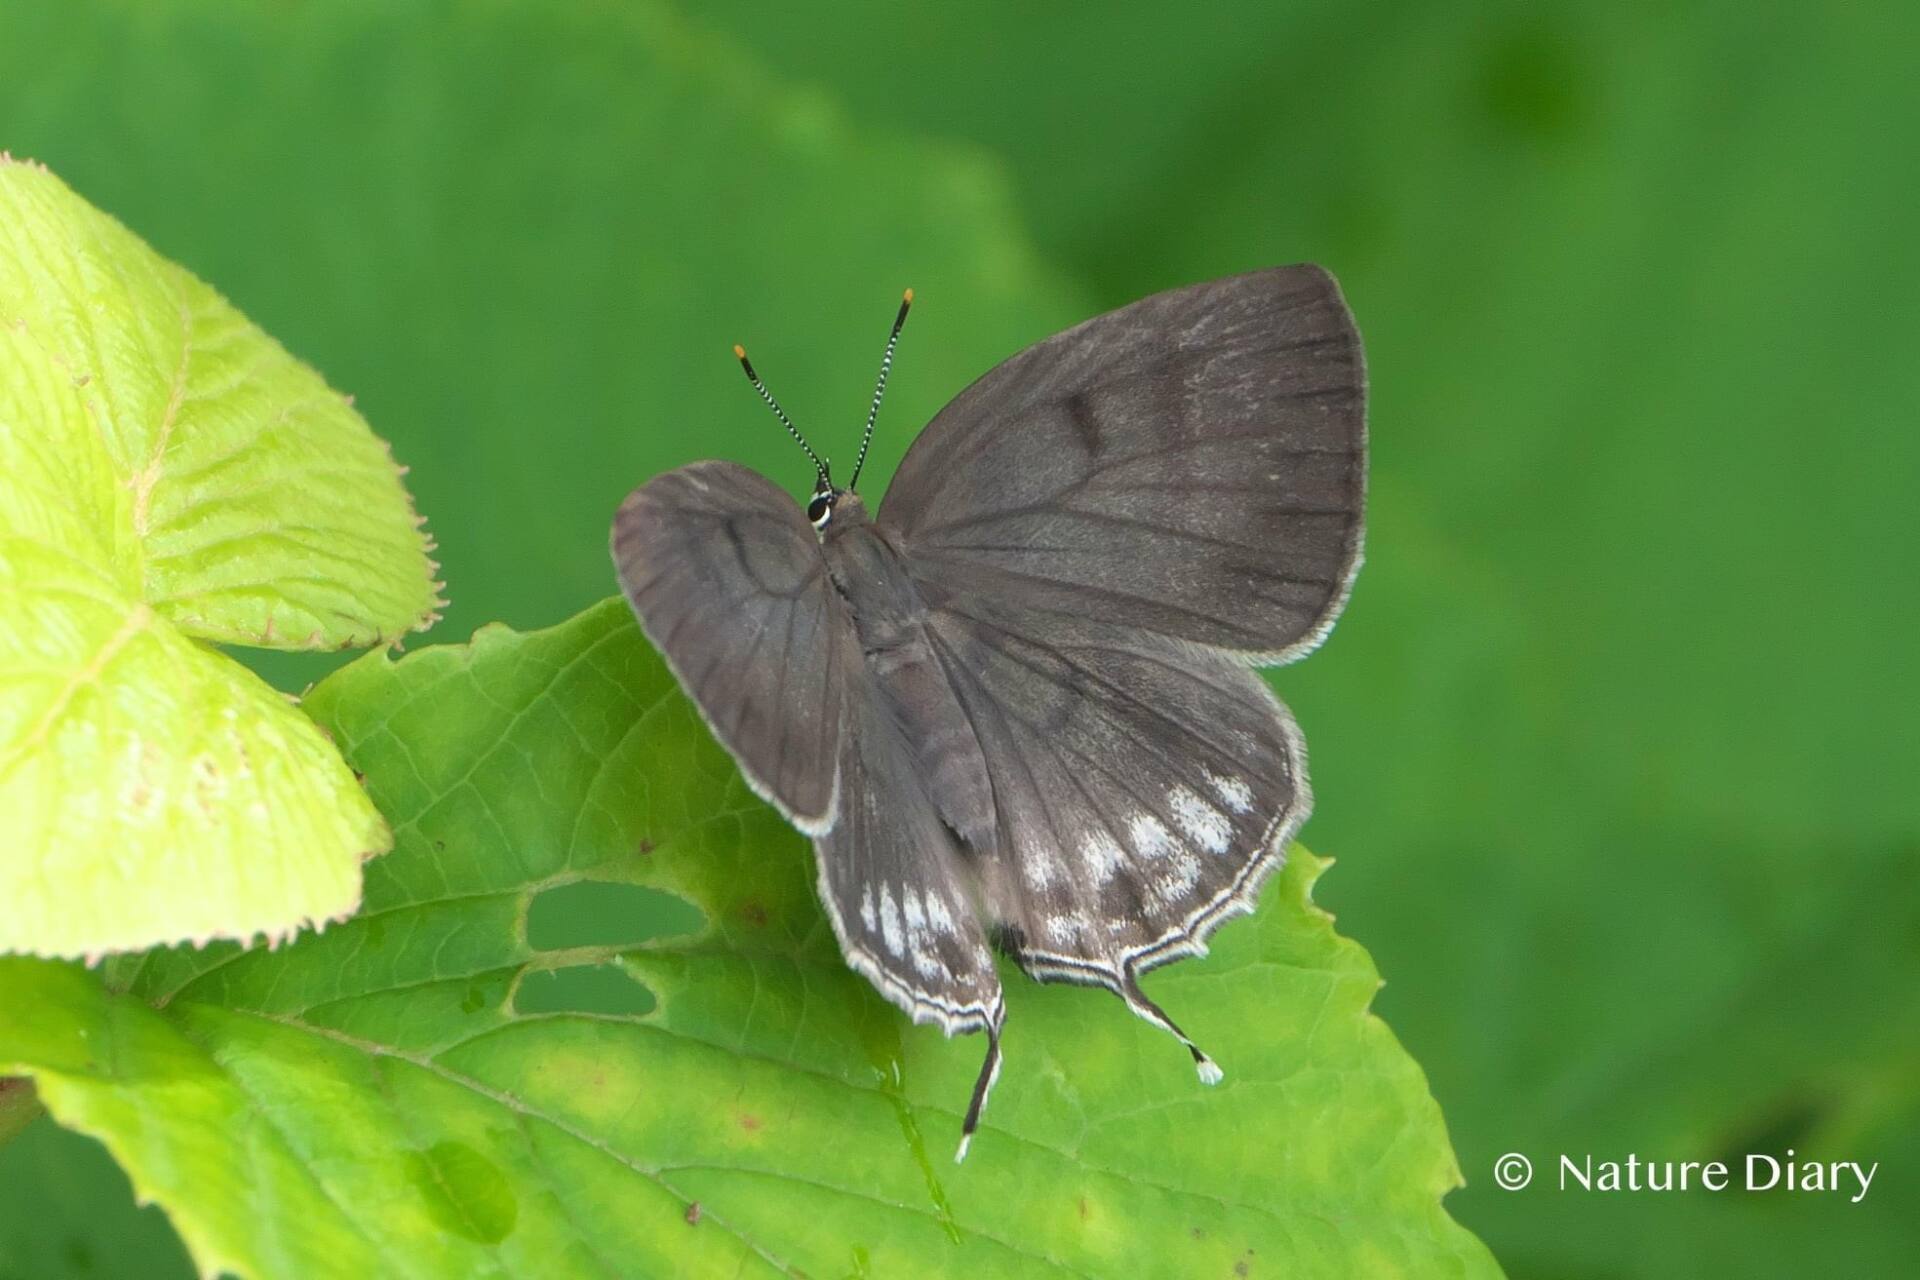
[
  {"x": 207, "y": 784},
  {"x": 1081, "y": 1205},
  {"x": 693, "y": 1214},
  {"x": 754, "y": 914},
  {"x": 646, "y": 846},
  {"x": 749, "y": 1121}
]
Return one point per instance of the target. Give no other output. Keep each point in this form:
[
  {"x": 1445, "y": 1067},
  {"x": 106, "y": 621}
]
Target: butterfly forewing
[
  {"x": 728, "y": 581},
  {"x": 1193, "y": 465}
]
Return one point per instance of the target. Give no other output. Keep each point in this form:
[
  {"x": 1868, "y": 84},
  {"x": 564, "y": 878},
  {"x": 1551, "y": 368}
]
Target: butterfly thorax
[
  {"x": 868, "y": 573},
  {"x": 890, "y": 619}
]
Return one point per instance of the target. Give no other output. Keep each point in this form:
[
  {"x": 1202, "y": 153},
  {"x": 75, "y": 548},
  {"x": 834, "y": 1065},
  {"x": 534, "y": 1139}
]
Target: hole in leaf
[
  {"x": 606, "y": 913},
  {"x": 583, "y": 988}
]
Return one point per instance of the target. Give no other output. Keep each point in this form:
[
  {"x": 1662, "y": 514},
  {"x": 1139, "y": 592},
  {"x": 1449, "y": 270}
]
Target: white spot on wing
[
  {"x": 1102, "y": 856},
  {"x": 1183, "y": 872},
  {"x": 925, "y": 962},
  {"x": 1067, "y": 929},
  {"x": 867, "y": 917},
  {"x": 1205, "y": 825},
  {"x": 938, "y": 916},
  {"x": 1233, "y": 792},
  {"x": 1150, "y": 838},
  {"x": 1041, "y": 868},
  {"x": 890, "y": 920}
]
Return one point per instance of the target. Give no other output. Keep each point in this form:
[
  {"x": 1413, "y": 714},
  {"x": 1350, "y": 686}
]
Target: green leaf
[
  {"x": 207, "y": 473},
  {"x": 387, "y": 1087},
  {"x": 168, "y": 473}
]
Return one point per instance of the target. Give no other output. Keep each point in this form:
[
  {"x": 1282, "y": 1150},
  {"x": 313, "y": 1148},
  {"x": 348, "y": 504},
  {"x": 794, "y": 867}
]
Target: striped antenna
[
  {"x": 740, "y": 353},
  {"x": 880, "y": 388}
]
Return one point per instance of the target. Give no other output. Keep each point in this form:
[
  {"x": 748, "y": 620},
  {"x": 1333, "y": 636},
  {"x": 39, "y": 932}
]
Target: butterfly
[{"x": 1015, "y": 706}]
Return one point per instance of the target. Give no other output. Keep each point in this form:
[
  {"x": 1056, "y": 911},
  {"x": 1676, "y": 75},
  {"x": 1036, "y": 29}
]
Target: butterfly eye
[{"x": 820, "y": 510}]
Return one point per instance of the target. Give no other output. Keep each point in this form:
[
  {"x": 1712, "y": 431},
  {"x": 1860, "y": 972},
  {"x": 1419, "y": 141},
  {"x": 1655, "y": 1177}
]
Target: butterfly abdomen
[{"x": 890, "y": 619}]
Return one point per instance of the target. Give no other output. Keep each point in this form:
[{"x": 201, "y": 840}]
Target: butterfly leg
[{"x": 1129, "y": 990}]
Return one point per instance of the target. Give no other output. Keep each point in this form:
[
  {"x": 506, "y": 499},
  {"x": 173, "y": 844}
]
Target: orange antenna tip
[
  {"x": 908, "y": 296},
  {"x": 739, "y": 352}
]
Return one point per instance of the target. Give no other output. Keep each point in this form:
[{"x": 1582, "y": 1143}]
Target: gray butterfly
[{"x": 1016, "y": 709}]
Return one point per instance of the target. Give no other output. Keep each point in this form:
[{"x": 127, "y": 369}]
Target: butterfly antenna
[
  {"x": 880, "y": 388},
  {"x": 740, "y": 353}
]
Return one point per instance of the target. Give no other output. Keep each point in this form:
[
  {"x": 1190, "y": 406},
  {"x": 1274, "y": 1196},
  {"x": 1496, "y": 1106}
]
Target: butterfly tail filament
[
  {"x": 989, "y": 1072},
  {"x": 1129, "y": 990}
]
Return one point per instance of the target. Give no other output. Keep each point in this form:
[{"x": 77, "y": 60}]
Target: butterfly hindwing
[
  {"x": 892, "y": 873},
  {"x": 729, "y": 583},
  {"x": 1193, "y": 464},
  {"x": 896, "y": 886},
  {"x": 1144, "y": 789}
]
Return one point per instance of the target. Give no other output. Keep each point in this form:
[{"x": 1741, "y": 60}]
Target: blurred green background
[{"x": 1617, "y": 744}]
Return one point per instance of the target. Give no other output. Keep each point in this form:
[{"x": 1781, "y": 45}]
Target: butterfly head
[
  {"x": 841, "y": 508},
  {"x": 820, "y": 506}
]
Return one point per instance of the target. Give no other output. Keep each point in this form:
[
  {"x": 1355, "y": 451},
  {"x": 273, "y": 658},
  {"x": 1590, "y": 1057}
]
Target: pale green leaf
[
  {"x": 495, "y": 1069},
  {"x": 152, "y": 789},
  {"x": 168, "y": 472},
  {"x": 211, "y": 474}
]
